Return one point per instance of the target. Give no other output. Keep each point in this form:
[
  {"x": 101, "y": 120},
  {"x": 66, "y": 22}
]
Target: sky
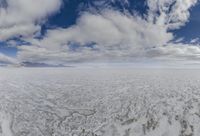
[{"x": 65, "y": 32}]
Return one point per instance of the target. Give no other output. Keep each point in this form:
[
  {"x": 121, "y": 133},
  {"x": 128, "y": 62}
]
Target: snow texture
[{"x": 99, "y": 102}]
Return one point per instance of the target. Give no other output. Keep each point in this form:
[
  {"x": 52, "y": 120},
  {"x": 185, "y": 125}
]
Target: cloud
[
  {"x": 114, "y": 35},
  {"x": 22, "y": 17},
  {"x": 176, "y": 52},
  {"x": 171, "y": 14},
  {"x": 18, "y": 30},
  {"x": 108, "y": 35},
  {"x": 7, "y": 60},
  {"x": 194, "y": 41}
]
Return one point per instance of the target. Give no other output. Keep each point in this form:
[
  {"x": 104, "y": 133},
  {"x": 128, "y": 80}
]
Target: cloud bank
[{"x": 108, "y": 35}]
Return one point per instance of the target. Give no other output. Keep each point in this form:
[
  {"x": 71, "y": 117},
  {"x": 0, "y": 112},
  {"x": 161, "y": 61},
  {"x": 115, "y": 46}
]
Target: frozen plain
[{"x": 99, "y": 102}]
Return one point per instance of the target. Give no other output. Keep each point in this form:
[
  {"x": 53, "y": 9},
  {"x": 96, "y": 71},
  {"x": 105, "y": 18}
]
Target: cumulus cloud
[
  {"x": 22, "y": 17},
  {"x": 114, "y": 35}
]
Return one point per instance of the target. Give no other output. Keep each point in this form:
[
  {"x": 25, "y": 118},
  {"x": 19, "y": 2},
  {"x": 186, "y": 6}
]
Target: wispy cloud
[{"x": 4, "y": 59}]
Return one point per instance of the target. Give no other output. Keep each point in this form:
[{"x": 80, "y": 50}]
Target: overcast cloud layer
[{"x": 97, "y": 37}]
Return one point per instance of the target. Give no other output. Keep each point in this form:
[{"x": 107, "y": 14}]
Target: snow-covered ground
[{"x": 99, "y": 102}]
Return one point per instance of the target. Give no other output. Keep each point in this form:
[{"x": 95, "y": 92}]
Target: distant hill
[{"x": 30, "y": 64}]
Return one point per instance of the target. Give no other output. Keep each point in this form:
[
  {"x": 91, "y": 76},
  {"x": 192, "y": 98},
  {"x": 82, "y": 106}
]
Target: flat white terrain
[{"x": 99, "y": 102}]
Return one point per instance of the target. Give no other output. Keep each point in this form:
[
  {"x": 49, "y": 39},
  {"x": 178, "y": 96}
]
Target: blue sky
[
  {"x": 77, "y": 31},
  {"x": 191, "y": 30}
]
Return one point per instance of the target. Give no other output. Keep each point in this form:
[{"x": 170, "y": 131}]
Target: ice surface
[{"x": 99, "y": 102}]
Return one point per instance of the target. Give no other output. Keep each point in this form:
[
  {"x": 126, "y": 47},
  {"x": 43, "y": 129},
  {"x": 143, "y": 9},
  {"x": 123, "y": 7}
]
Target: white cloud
[
  {"x": 171, "y": 14},
  {"x": 176, "y": 51},
  {"x": 21, "y": 17},
  {"x": 115, "y": 36},
  {"x": 18, "y": 30},
  {"x": 194, "y": 41},
  {"x": 7, "y": 60}
]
